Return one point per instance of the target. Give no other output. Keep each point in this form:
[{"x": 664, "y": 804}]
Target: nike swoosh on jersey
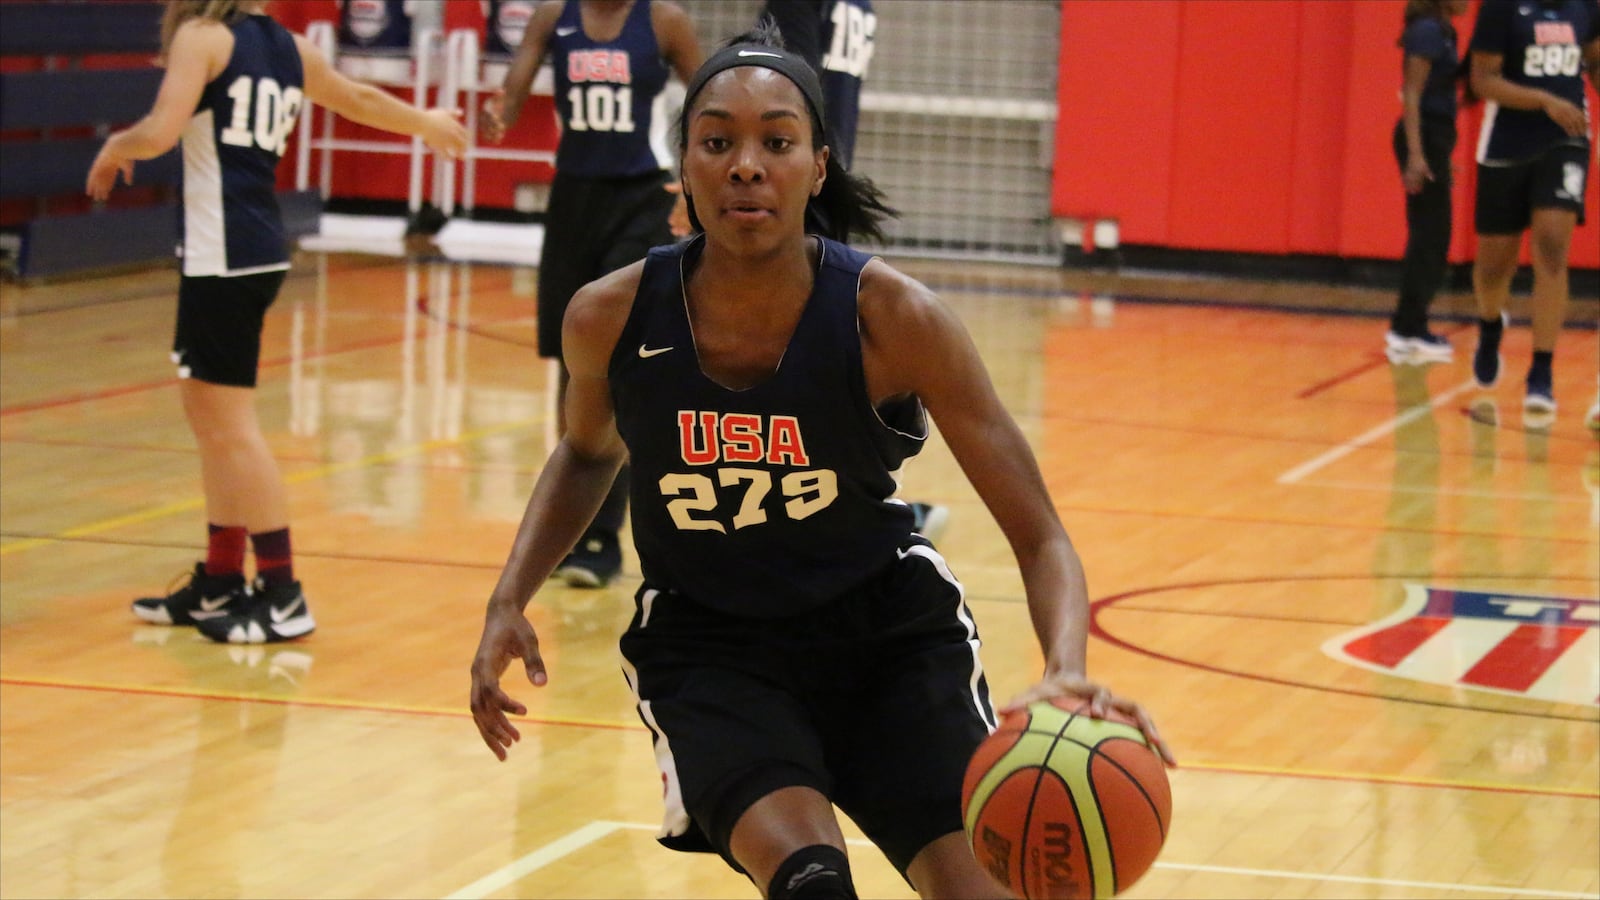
[
  {"x": 655, "y": 351},
  {"x": 563, "y": 32}
]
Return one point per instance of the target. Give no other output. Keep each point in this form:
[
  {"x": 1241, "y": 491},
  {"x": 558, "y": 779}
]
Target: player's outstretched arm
[
  {"x": 914, "y": 344},
  {"x": 440, "y": 129},
  {"x": 502, "y": 108},
  {"x": 199, "y": 51},
  {"x": 570, "y": 489}
]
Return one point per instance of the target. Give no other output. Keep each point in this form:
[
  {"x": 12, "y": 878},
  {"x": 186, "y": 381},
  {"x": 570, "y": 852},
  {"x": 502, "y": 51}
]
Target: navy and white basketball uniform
[
  {"x": 791, "y": 628},
  {"x": 836, "y": 37},
  {"x": 1541, "y": 44},
  {"x": 232, "y": 229},
  {"x": 608, "y": 205},
  {"x": 607, "y": 98}
]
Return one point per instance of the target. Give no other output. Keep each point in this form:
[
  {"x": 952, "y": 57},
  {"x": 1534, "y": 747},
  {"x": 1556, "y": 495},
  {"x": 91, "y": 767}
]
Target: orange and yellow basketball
[{"x": 1061, "y": 805}]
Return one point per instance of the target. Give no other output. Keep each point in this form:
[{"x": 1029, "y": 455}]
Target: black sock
[{"x": 1541, "y": 362}]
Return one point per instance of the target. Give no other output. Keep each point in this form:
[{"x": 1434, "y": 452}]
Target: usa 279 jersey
[
  {"x": 231, "y": 148},
  {"x": 771, "y": 500},
  {"x": 1540, "y": 43}
]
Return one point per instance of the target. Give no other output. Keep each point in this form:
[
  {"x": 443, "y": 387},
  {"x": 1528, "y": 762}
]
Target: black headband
[{"x": 793, "y": 67}]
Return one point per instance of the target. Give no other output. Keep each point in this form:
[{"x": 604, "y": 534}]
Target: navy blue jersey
[
  {"x": 1541, "y": 42},
  {"x": 767, "y": 501},
  {"x": 504, "y": 23},
  {"x": 836, "y": 37},
  {"x": 231, "y": 147},
  {"x": 1433, "y": 38},
  {"x": 608, "y": 98}
]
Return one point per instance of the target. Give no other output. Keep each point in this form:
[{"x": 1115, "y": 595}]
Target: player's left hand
[
  {"x": 103, "y": 173},
  {"x": 1099, "y": 698}
]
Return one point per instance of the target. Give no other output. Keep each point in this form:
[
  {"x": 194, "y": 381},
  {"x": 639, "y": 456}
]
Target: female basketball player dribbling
[{"x": 794, "y": 645}]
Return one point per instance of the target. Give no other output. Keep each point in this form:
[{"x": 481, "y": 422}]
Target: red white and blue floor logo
[{"x": 1547, "y": 648}]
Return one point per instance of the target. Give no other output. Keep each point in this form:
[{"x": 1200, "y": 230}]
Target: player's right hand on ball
[{"x": 507, "y": 635}]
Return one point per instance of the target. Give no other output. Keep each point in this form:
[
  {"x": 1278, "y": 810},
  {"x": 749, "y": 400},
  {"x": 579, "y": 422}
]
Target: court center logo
[{"x": 1543, "y": 647}]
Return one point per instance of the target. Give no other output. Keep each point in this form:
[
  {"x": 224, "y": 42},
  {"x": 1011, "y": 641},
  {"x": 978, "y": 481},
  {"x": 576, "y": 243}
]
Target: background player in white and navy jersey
[
  {"x": 609, "y": 203},
  {"x": 795, "y": 645},
  {"x": 1424, "y": 139},
  {"x": 234, "y": 83},
  {"x": 1528, "y": 60}
]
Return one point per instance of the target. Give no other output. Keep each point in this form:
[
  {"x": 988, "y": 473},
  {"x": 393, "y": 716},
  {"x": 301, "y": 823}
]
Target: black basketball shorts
[
  {"x": 218, "y": 336},
  {"x": 877, "y": 700},
  {"x": 1508, "y": 195},
  {"x": 595, "y": 226}
]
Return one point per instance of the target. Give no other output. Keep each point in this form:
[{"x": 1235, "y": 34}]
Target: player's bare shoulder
[
  {"x": 904, "y": 328},
  {"x": 890, "y": 300}
]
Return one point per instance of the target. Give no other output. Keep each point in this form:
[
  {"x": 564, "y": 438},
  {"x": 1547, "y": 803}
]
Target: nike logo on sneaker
[
  {"x": 563, "y": 32},
  {"x": 213, "y": 604},
  {"x": 280, "y": 616},
  {"x": 646, "y": 353}
]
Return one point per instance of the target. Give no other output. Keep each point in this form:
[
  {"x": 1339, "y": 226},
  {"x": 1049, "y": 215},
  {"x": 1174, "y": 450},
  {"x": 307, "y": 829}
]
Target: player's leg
[
  {"x": 790, "y": 845},
  {"x": 921, "y": 711},
  {"x": 216, "y": 344},
  {"x": 1501, "y": 215},
  {"x": 947, "y": 868},
  {"x": 743, "y": 770},
  {"x": 243, "y": 483},
  {"x": 1556, "y": 191},
  {"x": 1549, "y": 240},
  {"x": 1428, "y": 221}
]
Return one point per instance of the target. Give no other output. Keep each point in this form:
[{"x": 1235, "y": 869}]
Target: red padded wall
[{"x": 1258, "y": 126}]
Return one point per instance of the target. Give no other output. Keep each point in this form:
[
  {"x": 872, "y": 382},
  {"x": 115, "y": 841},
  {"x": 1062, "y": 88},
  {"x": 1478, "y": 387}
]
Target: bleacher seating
[{"x": 54, "y": 120}]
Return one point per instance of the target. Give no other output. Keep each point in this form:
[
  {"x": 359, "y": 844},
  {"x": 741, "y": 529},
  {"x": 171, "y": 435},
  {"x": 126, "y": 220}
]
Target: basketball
[{"x": 1060, "y": 805}]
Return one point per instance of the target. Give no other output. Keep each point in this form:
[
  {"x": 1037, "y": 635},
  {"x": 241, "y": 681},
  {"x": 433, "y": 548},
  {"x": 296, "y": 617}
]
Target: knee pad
[{"x": 818, "y": 872}]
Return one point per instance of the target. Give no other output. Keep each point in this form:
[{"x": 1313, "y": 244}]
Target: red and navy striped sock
[
  {"x": 274, "y": 563},
  {"x": 225, "y": 549}
]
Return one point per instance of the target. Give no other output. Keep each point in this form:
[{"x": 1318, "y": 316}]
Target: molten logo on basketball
[
  {"x": 997, "y": 855},
  {"x": 1061, "y": 878}
]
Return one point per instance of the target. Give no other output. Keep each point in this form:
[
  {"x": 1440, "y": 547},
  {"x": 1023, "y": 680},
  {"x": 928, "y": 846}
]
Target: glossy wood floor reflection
[{"x": 1250, "y": 483}]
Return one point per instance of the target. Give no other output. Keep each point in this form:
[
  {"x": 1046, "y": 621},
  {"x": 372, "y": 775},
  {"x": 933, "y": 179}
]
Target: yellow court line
[
  {"x": 159, "y": 512},
  {"x": 197, "y": 693}
]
